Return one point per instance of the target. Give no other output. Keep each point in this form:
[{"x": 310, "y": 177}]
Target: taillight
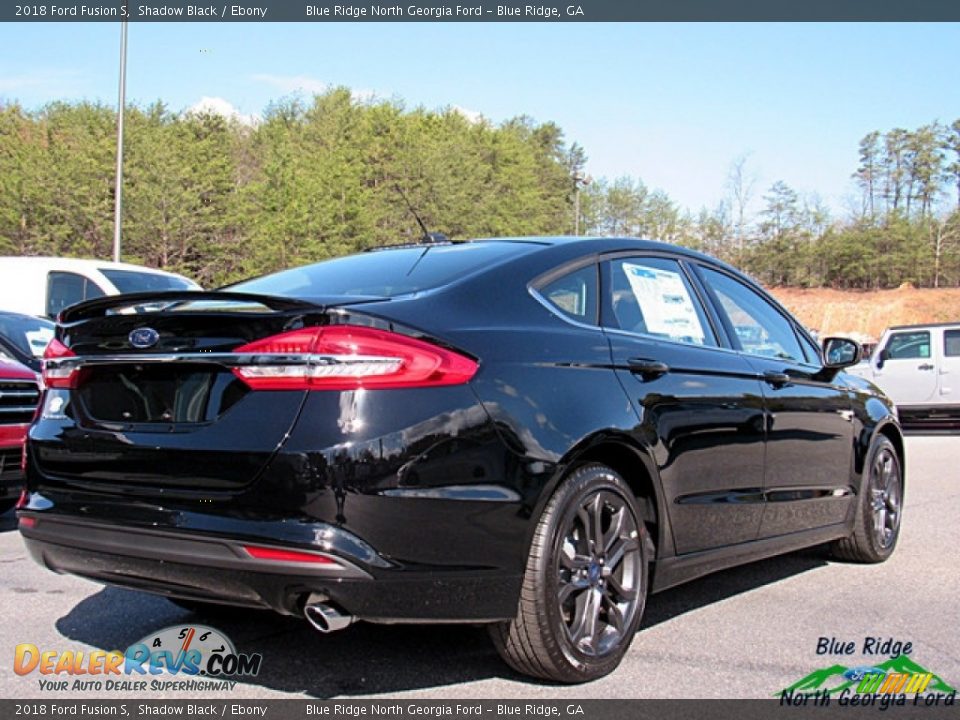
[
  {"x": 348, "y": 357},
  {"x": 56, "y": 375},
  {"x": 278, "y": 555}
]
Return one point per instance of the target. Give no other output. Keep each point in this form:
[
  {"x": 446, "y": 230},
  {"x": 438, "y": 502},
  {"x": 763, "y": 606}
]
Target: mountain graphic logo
[{"x": 837, "y": 678}]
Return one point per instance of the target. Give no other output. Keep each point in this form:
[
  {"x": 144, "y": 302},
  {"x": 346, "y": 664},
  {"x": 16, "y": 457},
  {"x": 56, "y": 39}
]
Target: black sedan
[{"x": 532, "y": 433}]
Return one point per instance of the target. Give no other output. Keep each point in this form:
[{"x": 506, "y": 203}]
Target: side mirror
[
  {"x": 882, "y": 357},
  {"x": 839, "y": 353}
]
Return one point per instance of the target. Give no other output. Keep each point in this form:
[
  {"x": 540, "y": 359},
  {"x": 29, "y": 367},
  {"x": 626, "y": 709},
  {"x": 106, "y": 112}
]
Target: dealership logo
[
  {"x": 184, "y": 651},
  {"x": 895, "y": 681},
  {"x": 143, "y": 338}
]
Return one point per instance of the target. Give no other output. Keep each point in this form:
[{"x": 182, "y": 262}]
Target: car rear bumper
[{"x": 218, "y": 569}]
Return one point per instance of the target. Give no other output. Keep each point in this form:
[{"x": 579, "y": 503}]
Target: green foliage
[
  {"x": 315, "y": 178},
  {"x": 218, "y": 200}
]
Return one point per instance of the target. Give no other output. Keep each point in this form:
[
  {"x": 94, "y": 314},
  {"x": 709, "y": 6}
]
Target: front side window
[
  {"x": 908, "y": 346},
  {"x": 65, "y": 289},
  {"x": 652, "y": 296},
  {"x": 574, "y": 294},
  {"x": 814, "y": 355},
  {"x": 759, "y": 327}
]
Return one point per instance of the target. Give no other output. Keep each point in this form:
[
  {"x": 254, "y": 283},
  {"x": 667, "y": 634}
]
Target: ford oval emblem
[{"x": 144, "y": 338}]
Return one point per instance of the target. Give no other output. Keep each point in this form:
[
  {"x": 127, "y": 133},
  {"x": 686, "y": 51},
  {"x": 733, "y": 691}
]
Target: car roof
[
  {"x": 925, "y": 326},
  {"x": 79, "y": 264}
]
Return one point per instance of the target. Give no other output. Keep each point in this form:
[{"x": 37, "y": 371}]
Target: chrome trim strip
[{"x": 222, "y": 359}]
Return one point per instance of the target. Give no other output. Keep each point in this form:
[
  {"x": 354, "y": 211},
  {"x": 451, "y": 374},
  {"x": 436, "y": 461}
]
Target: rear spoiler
[{"x": 100, "y": 306}]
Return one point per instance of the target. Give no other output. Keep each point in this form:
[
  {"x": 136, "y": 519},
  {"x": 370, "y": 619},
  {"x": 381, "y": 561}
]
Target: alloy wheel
[
  {"x": 885, "y": 497},
  {"x": 599, "y": 572}
]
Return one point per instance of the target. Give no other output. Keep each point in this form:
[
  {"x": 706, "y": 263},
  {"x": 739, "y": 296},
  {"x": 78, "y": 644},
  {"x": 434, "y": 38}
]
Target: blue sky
[{"x": 672, "y": 104}]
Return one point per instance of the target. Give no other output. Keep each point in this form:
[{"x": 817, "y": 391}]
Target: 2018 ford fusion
[{"x": 532, "y": 433}]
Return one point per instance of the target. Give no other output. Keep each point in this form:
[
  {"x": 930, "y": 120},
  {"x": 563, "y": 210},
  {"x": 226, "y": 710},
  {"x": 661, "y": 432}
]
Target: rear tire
[
  {"x": 879, "y": 508},
  {"x": 585, "y": 584}
]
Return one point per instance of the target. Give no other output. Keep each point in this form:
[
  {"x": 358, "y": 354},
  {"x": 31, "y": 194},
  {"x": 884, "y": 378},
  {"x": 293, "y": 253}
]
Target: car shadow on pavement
[
  {"x": 367, "y": 659},
  {"x": 719, "y": 586}
]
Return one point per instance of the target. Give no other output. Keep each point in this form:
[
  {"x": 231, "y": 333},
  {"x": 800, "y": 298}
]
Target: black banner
[
  {"x": 243, "y": 709},
  {"x": 480, "y": 11}
]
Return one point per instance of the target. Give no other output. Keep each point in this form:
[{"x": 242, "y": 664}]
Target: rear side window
[
  {"x": 65, "y": 289},
  {"x": 574, "y": 294},
  {"x": 652, "y": 296},
  {"x": 951, "y": 343},
  {"x": 908, "y": 346},
  {"x": 386, "y": 273}
]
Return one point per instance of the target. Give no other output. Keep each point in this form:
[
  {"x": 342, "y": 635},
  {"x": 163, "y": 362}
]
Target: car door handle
[
  {"x": 925, "y": 366},
  {"x": 648, "y": 368},
  {"x": 777, "y": 379}
]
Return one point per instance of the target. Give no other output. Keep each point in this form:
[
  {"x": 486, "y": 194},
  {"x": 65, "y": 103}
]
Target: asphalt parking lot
[{"x": 746, "y": 632}]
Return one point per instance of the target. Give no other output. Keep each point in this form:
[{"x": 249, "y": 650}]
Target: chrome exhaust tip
[{"x": 323, "y": 616}]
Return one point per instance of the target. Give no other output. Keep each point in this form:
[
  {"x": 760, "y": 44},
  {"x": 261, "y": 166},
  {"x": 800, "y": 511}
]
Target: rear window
[
  {"x": 131, "y": 281},
  {"x": 28, "y": 334},
  {"x": 385, "y": 273}
]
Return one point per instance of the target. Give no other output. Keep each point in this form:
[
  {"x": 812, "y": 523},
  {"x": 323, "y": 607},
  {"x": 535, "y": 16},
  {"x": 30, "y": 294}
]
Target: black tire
[
  {"x": 581, "y": 600},
  {"x": 879, "y": 508}
]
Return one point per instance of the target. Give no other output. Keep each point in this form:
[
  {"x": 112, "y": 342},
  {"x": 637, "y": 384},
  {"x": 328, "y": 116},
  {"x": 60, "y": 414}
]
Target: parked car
[
  {"x": 918, "y": 367},
  {"x": 47, "y": 285},
  {"x": 528, "y": 433},
  {"x": 19, "y": 396},
  {"x": 24, "y": 338}
]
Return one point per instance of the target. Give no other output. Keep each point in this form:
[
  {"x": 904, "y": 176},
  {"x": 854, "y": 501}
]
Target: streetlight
[
  {"x": 121, "y": 105},
  {"x": 578, "y": 182}
]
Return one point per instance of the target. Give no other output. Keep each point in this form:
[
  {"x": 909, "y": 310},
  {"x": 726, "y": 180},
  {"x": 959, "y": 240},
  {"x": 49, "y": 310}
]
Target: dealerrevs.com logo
[
  {"x": 199, "y": 657},
  {"x": 895, "y": 681}
]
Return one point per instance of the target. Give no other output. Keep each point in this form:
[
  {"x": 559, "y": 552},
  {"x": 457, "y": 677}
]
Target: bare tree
[{"x": 741, "y": 183}]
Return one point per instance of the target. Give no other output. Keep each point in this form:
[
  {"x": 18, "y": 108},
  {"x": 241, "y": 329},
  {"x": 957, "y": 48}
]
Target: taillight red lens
[
  {"x": 349, "y": 357},
  {"x": 279, "y": 555},
  {"x": 58, "y": 377}
]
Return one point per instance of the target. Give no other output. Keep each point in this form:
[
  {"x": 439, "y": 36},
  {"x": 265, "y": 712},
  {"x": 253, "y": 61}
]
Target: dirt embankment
[{"x": 839, "y": 312}]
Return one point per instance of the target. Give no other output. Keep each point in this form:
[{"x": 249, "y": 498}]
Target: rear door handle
[
  {"x": 777, "y": 379},
  {"x": 648, "y": 368},
  {"x": 925, "y": 366}
]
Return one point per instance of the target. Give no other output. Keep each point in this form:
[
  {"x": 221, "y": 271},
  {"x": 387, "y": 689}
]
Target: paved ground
[{"x": 747, "y": 632}]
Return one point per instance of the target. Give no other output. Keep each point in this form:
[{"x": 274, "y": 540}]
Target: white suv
[
  {"x": 46, "y": 285},
  {"x": 918, "y": 367}
]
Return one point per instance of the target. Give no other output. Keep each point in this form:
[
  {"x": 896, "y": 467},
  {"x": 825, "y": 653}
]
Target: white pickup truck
[{"x": 918, "y": 367}]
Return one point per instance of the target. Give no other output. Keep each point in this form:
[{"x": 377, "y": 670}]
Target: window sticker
[{"x": 666, "y": 305}]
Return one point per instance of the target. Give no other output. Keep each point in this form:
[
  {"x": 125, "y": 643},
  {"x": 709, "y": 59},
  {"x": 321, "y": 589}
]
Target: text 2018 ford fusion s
[{"x": 531, "y": 433}]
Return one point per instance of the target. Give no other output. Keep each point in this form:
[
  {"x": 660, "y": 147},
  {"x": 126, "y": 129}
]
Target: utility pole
[
  {"x": 578, "y": 182},
  {"x": 121, "y": 106}
]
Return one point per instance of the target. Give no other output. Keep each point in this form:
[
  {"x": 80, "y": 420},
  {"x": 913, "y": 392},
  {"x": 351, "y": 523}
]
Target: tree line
[
  {"x": 219, "y": 200},
  {"x": 905, "y": 227}
]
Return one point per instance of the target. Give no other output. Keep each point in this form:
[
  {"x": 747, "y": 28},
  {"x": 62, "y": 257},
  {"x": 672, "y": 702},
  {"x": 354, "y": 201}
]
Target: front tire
[
  {"x": 879, "y": 508},
  {"x": 585, "y": 584}
]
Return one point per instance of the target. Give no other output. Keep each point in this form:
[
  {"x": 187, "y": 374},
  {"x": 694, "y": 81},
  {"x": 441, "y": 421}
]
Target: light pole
[
  {"x": 121, "y": 106},
  {"x": 578, "y": 182}
]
